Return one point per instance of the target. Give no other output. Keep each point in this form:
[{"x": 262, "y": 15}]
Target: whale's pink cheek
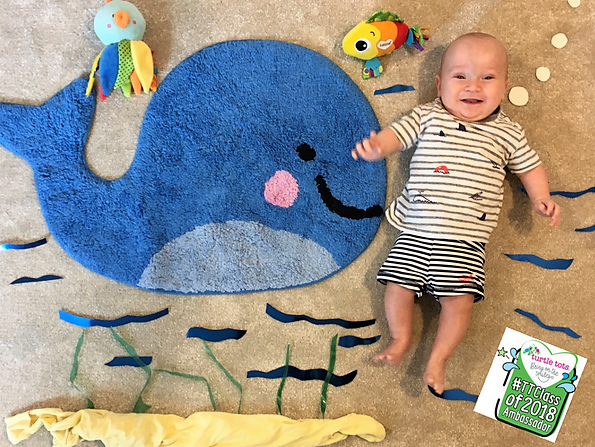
[{"x": 281, "y": 189}]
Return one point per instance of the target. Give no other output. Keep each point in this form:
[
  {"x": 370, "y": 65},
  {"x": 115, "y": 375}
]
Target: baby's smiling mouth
[{"x": 471, "y": 101}]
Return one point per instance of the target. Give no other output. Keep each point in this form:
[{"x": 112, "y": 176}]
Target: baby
[{"x": 452, "y": 199}]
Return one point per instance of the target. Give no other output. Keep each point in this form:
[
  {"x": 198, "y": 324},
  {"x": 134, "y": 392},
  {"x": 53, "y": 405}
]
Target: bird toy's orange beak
[{"x": 122, "y": 19}]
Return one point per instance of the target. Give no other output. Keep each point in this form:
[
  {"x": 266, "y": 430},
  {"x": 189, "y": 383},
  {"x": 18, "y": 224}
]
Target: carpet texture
[
  {"x": 242, "y": 179},
  {"x": 45, "y": 45}
]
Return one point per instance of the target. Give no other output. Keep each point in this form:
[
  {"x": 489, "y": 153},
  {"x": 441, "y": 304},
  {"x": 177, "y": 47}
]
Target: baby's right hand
[{"x": 369, "y": 149}]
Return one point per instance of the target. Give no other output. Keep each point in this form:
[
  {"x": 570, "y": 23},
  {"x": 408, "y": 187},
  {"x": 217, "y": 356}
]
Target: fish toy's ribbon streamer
[
  {"x": 130, "y": 361},
  {"x": 88, "y": 322},
  {"x": 554, "y": 264},
  {"x": 587, "y": 229},
  {"x": 534, "y": 317},
  {"x": 288, "y": 318},
  {"x": 27, "y": 279},
  {"x": 215, "y": 334},
  {"x": 394, "y": 89},
  {"x": 23, "y": 246},
  {"x": 569, "y": 194},
  {"x": 301, "y": 374},
  {"x": 454, "y": 394},
  {"x": 349, "y": 341}
]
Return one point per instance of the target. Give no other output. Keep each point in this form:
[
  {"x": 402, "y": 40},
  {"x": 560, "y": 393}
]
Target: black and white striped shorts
[{"x": 440, "y": 267}]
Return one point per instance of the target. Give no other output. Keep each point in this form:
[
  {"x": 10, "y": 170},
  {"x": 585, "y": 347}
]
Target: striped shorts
[{"x": 440, "y": 267}]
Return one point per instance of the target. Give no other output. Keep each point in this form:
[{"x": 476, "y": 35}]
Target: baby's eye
[
  {"x": 459, "y": 77},
  {"x": 488, "y": 77}
]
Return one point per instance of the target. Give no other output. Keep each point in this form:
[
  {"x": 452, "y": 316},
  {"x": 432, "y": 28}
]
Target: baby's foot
[
  {"x": 434, "y": 375},
  {"x": 394, "y": 352}
]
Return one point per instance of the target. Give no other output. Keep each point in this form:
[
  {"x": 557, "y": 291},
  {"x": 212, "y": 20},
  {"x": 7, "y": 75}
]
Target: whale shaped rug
[{"x": 242, "y": 178}]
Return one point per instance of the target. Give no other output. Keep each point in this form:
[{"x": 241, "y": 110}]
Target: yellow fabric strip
[
  {"x": 205, "y": 429},
  {"x": 92, "y": 75},
  {"x": 143, "y": 63}
]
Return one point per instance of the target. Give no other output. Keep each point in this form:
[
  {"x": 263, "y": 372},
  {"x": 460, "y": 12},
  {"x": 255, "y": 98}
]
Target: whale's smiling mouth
[
  {"x": 307, "y": 153},
  {"x": 337, "y": 207}
]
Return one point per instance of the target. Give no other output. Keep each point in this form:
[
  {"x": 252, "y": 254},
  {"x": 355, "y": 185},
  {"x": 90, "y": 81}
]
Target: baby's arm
[
  {"x": 536, "y": 184},
  {"x": 377, "y": 146}
]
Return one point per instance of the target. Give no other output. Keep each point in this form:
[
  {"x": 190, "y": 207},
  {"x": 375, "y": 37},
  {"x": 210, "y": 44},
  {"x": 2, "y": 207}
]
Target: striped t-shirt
[{"x": 456, "y": 176}]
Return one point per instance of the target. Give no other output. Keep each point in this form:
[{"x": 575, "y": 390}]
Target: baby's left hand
[{"x": 548, "y": 208}]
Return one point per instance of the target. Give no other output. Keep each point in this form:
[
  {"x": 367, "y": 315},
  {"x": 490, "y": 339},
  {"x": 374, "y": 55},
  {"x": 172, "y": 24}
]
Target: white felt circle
[
  {"x": 574, "y": 3},
  {"x": 543, "y": 73},
  {"x": 559, "y": 40},
  {"x": 519, "y": 96}
]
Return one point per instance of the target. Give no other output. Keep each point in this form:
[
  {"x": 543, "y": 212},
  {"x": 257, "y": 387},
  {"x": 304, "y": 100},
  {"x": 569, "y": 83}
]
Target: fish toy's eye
[
  {"x": 362, "y": 45},
  {"x": 306, "y": 152}
]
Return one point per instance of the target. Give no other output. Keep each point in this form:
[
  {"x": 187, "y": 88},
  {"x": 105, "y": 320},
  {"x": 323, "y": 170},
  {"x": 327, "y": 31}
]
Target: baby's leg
[
  {"x": 398, "y": 304},
  {"x": 454, "y": 321}
]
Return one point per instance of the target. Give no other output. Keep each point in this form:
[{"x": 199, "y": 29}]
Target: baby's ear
[{"x": 437, "y": 81}]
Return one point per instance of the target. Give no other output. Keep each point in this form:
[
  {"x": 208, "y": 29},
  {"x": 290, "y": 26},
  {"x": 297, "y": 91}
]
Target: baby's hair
[{"x": 480, "y": 36}]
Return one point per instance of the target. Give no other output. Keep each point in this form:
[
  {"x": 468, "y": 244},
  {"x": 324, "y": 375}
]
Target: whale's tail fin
[{"x": 43, "y": 133}]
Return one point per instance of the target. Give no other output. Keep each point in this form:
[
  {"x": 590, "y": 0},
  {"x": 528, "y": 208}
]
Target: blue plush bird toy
[{"x": 126, "y": 62}]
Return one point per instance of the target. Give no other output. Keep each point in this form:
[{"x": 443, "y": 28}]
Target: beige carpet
[{"x": 44, "y": 45}]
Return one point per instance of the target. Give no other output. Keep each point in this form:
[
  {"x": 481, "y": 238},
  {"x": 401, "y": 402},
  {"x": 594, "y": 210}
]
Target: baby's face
[{"x": 473, "y": 77}]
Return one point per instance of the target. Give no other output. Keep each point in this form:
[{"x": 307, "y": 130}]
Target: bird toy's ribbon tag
[{"x": 530, "y": 384}]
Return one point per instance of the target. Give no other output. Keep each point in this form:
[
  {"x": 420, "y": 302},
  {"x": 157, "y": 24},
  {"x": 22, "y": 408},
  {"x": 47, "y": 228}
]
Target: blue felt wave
[
  {"x": 23, "y": 246},
  {"x": 553, "y": 264},
  {"x": 222, "y": 124},
  {"x": 349, "y": 341},
  {"x": 28, "y": 279},
  {"x": 308, "y": 374},
  {"x": 88, "y": 322},
  {"x": 536, "y": 319},
  {"x": 129, "y": 361},
  {"x": 587, "y": 229},
  {"x": 454, "y": 394},
  {"x": 289, "y": 318},
  {"x": 394, "y": 89},
  {"x": 569, "y": 194},
  {"x": 215, "y": 334}
]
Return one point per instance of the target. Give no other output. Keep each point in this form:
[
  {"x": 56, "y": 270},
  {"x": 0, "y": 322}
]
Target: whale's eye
[
  {"x": 362, "y": 45},
  {"x": 306, "y": 152}
]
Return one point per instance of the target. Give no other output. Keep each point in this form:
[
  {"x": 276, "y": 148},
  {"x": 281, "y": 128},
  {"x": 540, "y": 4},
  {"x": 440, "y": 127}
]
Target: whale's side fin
[{"x": 40, "y": 133}]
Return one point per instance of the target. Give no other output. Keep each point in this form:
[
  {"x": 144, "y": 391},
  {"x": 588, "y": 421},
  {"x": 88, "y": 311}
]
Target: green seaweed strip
[
  {"x": 139, "y": 406},
  {"x": 192, "y": 377},
  {"x": 75, "y": 368},
  {"x": 229, "y": 376},
  {"x": 75, "y": 362},
  {"x": 329, "y": 374},
  {"x": 282, "y": 384}
]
